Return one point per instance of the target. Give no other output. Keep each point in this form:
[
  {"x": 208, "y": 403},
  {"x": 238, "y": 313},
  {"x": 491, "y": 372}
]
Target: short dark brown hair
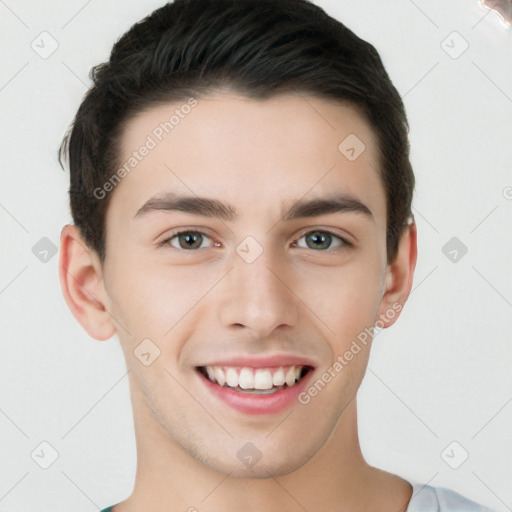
[{"x": 259, "y": 48}]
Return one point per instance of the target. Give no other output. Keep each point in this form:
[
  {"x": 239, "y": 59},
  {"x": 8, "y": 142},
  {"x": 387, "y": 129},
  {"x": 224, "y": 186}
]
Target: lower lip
[{"x": 258, "y": 404}]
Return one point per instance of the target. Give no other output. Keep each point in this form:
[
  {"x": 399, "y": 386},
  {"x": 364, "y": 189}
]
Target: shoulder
[{"x": 438, "y": 499}]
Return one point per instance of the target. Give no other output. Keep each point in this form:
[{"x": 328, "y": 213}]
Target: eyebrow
[{"x": 206, "y": 207}]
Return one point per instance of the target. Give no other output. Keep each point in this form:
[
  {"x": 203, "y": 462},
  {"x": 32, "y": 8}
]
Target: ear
[
  {"x": 81, "y": 280},
  {"x": 398, "y": 279}
]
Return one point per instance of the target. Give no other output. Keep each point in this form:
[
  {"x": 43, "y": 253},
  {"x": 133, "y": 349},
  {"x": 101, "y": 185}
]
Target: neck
[{"x": 335, "y": 478}]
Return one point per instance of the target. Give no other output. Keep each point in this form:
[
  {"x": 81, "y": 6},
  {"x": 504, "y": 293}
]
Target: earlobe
[
  {"x": 82, "y": 284},
  {"x": 399, "y": 277}
]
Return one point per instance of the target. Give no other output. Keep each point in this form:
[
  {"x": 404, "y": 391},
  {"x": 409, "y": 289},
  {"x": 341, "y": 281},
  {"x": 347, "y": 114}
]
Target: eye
[
  {"x": 187, "y": 240},
  {"x": 322, "y": 240}
]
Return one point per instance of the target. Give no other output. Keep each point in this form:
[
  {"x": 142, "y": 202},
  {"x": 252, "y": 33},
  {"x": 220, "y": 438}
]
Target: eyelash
[{"x": 344, "y": 243}]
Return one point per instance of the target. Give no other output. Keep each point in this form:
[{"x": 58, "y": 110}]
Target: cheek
[
  {"x": 346, "y": 297},
  {"x": 152, "y": 301}
]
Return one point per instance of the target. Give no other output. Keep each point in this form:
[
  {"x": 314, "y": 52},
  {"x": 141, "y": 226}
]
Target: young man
[{"x": 241, "y": 194}]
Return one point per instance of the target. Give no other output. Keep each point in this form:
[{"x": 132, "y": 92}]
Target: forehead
[{"x": 249, "y": 152}]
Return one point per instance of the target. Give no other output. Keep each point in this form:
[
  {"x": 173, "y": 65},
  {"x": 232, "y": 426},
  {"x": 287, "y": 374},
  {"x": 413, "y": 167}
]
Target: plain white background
[{"x": 440, "y": 375}]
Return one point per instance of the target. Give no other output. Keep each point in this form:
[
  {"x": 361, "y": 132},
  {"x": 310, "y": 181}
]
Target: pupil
[
  {"x": 189, "y": 238},
  {"x": 320, "y": 239}
]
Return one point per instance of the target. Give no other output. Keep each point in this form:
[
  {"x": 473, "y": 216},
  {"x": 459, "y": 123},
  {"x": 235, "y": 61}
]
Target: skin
[{"x": 195, "y": 304}]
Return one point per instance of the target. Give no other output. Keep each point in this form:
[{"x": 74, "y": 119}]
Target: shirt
[
  {"x": 431, "y": 499},
  {"x": 438, "y": 499}
]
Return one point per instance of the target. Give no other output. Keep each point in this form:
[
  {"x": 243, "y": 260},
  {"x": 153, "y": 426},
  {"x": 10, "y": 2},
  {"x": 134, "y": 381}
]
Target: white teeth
[
  {"x": 220, "y": 377},
  {"x": 246, "y": 379},
  {"x": 290, "y": 376},
  {"x": 278, "y": 378},
  {"x": 262, "y": 379},
  {"x": 231, "y": 377}
]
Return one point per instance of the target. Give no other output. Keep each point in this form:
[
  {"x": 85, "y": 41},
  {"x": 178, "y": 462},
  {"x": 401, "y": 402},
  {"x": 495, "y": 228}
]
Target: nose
[{"x": 258, "y": 296}]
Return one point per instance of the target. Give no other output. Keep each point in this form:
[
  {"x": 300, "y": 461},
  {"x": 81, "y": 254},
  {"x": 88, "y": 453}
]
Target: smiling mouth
[{"x": 255, "y": 381}]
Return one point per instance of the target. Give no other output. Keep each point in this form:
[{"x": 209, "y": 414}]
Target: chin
[{"x": 250, "y": 462}]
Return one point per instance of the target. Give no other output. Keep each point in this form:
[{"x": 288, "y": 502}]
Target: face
[{"x": 248, "y": 251}]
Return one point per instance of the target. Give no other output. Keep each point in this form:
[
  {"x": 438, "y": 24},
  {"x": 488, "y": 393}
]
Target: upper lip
[{"x": 263, "y": 361}]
